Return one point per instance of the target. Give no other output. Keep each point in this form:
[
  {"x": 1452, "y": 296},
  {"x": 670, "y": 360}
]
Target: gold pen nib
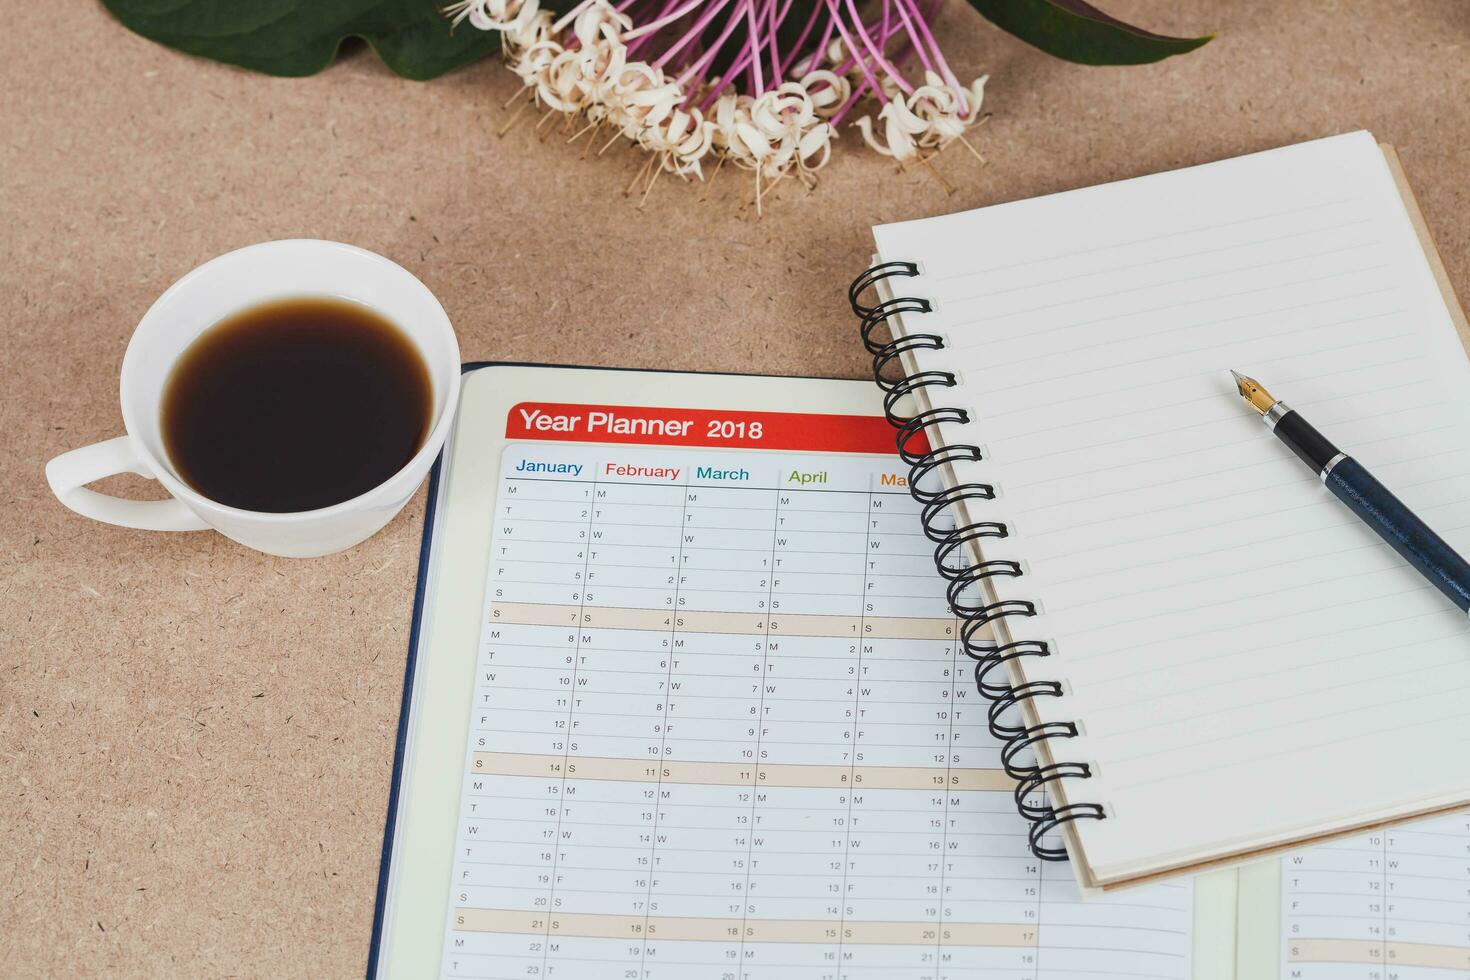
[{"x": 1250, "y": 389}]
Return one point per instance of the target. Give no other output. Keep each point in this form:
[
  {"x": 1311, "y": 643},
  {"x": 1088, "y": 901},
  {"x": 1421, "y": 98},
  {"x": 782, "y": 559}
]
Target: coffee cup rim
[{"x": 163, "y": 470}]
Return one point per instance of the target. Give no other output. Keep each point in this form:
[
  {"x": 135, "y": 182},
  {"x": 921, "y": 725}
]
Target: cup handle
[{"x": 70, "y": 473}]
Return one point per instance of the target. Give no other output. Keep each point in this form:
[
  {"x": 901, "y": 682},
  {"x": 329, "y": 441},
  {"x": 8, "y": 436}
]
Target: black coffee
[{"x": 296, "y": 404}]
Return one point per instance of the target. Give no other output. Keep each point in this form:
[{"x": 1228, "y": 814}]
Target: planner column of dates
[
  {"x": 1391, "y": 904},
  {"x": 723, "y": 728}
]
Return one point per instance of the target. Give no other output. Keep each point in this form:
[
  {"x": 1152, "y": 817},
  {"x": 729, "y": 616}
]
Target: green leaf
[
  {"x": 301, "y": 37},
  {"x": 1079, "y": 32}
]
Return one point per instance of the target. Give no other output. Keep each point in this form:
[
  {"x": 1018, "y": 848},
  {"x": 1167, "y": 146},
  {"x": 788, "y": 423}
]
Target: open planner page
[
  {"x": 723, "y": 728},
  {"x": 1391, "y": 904},
  {"x": 1250, "y": 664},
  {"x": 717, "y": 724}
]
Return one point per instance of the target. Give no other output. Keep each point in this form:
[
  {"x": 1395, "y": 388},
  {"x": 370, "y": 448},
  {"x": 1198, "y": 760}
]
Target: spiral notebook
[
  {"x": 1193, "y": 653},
  {"x": 684, "y": 699}
]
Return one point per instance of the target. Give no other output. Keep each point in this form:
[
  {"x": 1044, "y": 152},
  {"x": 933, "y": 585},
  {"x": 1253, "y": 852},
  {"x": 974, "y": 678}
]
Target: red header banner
[{"x": 714, "y": 429}]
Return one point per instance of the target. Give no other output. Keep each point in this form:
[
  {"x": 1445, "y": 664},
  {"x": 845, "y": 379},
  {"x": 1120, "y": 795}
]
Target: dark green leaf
[
  {"x": 1079, "y": 32},
  {"x": 300, "y": 37}
]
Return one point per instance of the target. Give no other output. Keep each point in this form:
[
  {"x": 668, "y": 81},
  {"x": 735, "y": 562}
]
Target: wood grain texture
[{"x": 196, "y": 738}]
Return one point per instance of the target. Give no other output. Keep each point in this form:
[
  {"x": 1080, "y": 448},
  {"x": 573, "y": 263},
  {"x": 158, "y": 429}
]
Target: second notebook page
[{"x": 1250, "y": 664}]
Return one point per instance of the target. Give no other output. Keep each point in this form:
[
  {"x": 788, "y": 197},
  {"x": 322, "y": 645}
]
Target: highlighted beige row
[
  {"x": 738, "y": 773},
  {"x": 1365, "y": 951},
  {"x": 688, "y": 929},
  {"x": 696, "y": 621}
]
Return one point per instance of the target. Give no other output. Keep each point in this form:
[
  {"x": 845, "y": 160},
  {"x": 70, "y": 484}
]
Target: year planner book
[
  {"x": 1192, "y": 653},
  {"x": 685, "y": 699}
]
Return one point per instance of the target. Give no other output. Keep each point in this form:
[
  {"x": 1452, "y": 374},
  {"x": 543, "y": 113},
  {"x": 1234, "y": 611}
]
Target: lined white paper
[{"x": 1251, "y": 665}]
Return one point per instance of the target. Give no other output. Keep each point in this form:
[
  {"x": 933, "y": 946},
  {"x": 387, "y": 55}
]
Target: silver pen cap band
[
  {"x": 1274, "y": 414},
  {"x": 1330, "y": 464}
]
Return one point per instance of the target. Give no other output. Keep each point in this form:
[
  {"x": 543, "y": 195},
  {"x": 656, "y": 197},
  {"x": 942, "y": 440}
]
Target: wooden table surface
[{"x": 196, "y": 739}]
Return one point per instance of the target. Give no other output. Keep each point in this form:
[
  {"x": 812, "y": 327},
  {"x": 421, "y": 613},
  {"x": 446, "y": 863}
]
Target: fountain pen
[{"x": 1375, "y": 506}]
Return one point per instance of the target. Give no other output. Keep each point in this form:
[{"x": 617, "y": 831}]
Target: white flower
[
  {"x": 578, "y": 65},
  {"x": 493, "y": 15},
  {"x": 735, "y": 133},
  {"x": 638, "y": 96},
  {"x": 926, "y": 119},
  {"x": 560, "y": 85},
  {"x": 528, "y": 33},
  {"x": 947, "y": 116},
  {"x": 533, "y": 63},
  {"x": 828, "y": 91},
  {"x": 682, "y": 139},
  {"x": 600, "y": 21}
]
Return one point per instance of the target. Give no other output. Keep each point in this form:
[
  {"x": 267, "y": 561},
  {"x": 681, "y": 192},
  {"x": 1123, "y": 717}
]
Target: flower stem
[
  {"x": 669, "y": 18},
  {"x": 698, "y": 67},
  {"x": 693, "y": 32},
  {"x": 796, "y": 48},
  {"x": 570, "y": 16},
  {"x": 873, "y": 50},
  {"x": 945, "y": 71},
  {"x": 754, "y": 47}
]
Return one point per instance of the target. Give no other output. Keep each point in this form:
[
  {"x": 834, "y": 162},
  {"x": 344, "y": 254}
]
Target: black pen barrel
[{"x": 1311, "y": 446}]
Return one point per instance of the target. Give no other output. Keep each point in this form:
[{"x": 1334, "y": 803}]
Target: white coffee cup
[{"x": 233, "y": 282}]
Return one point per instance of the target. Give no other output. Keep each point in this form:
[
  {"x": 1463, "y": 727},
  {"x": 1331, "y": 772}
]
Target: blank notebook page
[{"x": 1250, "y": 664}]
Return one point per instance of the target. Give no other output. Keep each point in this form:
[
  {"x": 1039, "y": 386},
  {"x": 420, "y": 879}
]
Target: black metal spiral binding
[{"x": 965, "y": 580}]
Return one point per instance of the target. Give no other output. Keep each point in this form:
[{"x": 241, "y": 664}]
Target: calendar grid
[
  {"x": 722, "y": 728},
  {"x": 663, "y": 733},
  {"x": 566, "y": 759},
  {"x": 1393, "y": 904},
  {"x": 760, "y": 710},
  {"x": 851, "y": 779}
]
